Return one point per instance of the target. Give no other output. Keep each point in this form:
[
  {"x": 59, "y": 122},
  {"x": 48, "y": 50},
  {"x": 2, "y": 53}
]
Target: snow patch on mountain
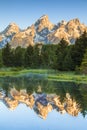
[{"x": 42, "y": 31}]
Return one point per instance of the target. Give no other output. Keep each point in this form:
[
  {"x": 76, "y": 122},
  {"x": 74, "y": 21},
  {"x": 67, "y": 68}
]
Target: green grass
[
  {"x": 19, "y": 71},
  {"x": 49, "y": 74},
  {"x": 68, "y": 77}
]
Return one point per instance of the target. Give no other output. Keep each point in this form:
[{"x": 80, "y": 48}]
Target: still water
[{"x": 34, "y": 103}]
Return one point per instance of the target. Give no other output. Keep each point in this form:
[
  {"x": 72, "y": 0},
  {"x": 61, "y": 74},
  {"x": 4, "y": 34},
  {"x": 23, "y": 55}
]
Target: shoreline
[{"x": 47, "y": 74}]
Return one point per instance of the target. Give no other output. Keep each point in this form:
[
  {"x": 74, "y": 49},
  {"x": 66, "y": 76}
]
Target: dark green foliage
[
  {"x": 28, "y": 58},
  {"x": 62, "y": 56},
  {"x": 83, "y": 66},
  {"x": 7, "y": 56},
  {"x": 1, "y": 61},
  {"x": 36, "y": 57},
  {"x": 78, "y": 49},
  {"x": 19, "y": 57},
  {"x": 68, "y": 63},
  {"x": 48, "y": 55}
]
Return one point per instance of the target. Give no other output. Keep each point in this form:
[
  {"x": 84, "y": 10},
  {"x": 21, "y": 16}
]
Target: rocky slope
[{"x": 42, "y": 31}]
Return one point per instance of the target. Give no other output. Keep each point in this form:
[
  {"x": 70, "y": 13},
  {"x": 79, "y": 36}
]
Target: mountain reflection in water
[{"x": 44, "y": 96}]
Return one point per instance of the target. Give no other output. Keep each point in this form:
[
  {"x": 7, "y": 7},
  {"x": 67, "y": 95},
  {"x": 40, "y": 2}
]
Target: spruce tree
[
  {"x": 78, "y": 49},
  {"x": 83, "y": 66},
  {"x": 28, "y": 57},
  {"x": 7, "y": 55},
  {"x": 36, "y": 57},
  {"x": 68, "y": 63},
  {"x": 19, "y": 56},
  {"x": 60, "y": 54},
  {"x": 1, "y": 62}
]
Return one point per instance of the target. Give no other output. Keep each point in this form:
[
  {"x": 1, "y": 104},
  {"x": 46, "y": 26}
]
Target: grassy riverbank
[{"x": 49, "y": 74}]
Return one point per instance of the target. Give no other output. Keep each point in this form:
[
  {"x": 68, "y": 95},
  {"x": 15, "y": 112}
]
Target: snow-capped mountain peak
[
  {"x": 42, "y": 31},
  {"x": 43, "y": 22},
  {"x": 11, "y": 29}
]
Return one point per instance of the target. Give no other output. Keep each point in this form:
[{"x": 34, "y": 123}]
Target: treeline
[{"x": 61, "y": 56}]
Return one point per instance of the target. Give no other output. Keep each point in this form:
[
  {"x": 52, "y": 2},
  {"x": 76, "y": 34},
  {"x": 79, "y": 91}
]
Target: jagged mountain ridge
[{"x": 42, "y": 31}]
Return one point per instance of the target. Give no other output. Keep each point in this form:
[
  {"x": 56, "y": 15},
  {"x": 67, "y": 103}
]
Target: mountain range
[{"x": 42, "y": 31}]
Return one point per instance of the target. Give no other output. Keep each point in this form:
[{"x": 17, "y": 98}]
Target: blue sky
[{"x": 26, "y": 12}]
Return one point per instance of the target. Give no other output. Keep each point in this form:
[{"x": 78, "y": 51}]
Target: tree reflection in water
[{"x": 44, "y": 96}]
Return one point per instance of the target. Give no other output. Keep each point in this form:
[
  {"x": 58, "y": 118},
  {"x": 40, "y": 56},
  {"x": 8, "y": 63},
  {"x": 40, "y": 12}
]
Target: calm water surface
[{"x": 33, "y": 103}]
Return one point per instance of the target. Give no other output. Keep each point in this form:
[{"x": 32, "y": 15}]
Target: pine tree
[
  {"x": 68, "y": 63},
  {"x": 60, "y": 54},
  {"x": 19, "y": 56},
  {"x": 7, "y": 55},
  {"x": 1, "y": 62},
  {"x": 28, "y": 57},
  {"x": 78, "y": 49},
  {"x": 83, "y": 66},
  {"x": 36, "y": 57}
]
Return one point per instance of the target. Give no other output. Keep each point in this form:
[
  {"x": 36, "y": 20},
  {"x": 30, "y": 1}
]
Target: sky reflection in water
[{"x": 23, "y": 117}]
